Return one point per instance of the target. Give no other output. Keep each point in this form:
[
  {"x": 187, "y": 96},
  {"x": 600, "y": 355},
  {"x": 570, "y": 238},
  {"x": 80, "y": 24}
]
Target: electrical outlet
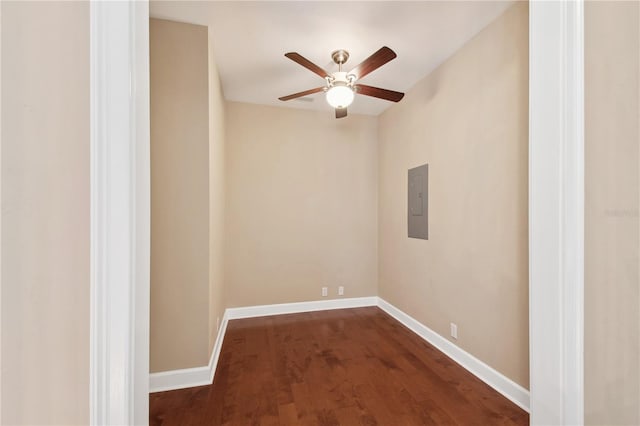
[
  {"x": 325, "y": 291},
  {"x": 454, "y": 331},
  {"x": 341, "y": 291},
  {"x": 218, "y": 323}
]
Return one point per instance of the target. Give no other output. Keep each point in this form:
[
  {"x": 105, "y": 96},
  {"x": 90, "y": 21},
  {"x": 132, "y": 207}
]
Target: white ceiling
[{"x": 251, "y": 38}]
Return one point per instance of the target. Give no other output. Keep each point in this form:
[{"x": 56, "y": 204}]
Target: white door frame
[
  {"x": 120, "y": 220},
  {"x": 0, "y": 210},
  {"x": 556, "y": 212}
]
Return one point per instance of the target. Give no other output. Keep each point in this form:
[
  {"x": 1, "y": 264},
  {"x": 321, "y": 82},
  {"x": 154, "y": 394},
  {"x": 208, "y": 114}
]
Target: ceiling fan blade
[
  {"x": 376, "y": 92},
  {"x": 341, "y": 112},
  {"x": 296, "y": 57},
  {"x": 301, "y": 94},
  {"x": 373, "y": 62}
]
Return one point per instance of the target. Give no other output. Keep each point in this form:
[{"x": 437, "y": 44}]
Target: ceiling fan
[{"x": 341, "y": 86}]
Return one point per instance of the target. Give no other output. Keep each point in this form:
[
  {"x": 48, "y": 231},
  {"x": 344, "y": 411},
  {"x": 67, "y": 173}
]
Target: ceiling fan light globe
[{"x": 340, "y": 96}]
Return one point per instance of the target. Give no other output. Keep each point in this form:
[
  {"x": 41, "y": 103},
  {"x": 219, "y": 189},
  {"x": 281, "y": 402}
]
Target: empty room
[
  {"x": 320, "y": 213},
  {"x": 294, "y": 240}
]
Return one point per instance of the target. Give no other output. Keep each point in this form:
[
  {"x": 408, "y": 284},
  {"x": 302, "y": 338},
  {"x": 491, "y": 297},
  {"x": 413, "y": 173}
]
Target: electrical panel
[{"x": 417, "y": 218}]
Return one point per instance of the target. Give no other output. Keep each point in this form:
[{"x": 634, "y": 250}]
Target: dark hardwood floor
[{"x": 341, "y": 367}]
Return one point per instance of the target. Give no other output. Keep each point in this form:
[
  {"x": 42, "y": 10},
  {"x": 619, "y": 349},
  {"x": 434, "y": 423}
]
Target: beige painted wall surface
[
  {"x": 179, "y": 196},
  {"x": 216, "y": 199},
  {"x": 469, "y": 121},
  {"x": 302, "y": 205},
  {"x": 45, "y": 213},
  {"x": 612, "y": 279}
]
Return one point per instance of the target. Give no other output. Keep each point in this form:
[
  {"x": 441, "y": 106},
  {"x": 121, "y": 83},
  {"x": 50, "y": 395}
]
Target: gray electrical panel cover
[{"x": 417, "y": 206}]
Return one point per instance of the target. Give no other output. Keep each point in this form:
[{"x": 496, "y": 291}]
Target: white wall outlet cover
[
  {"x": 454, "y": 331},
  {"x": 325, "y": 291},
  {"x": 341, "y": 291}
]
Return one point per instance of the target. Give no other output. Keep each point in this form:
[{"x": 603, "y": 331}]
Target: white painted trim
[
  {"x": 1, "y": 211},
  {"x": 293, "y": 308},
  {"x": 119, "y": 158},
  {"x": 573, "y": 215},
  {"x": 180, "y": 379},
  {"x": 142, "y": 206},
  {"x": 217, "y": 347},
  {"x": 510, "y": 389},
  {"x": 556, "y": 211},
  {"x": 190, "y": 377}
]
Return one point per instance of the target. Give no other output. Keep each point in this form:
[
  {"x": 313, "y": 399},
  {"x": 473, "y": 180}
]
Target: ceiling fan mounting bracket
[{"x": 340, "y": 56}]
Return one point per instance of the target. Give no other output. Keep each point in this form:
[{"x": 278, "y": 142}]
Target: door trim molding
[
  {"x": 119, "y": 256},
  {"x": 556, "y": 211},
  {"x": 0, "y": 211}
]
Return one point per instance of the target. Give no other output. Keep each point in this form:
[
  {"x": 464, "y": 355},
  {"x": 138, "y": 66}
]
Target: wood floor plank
[
  {"x": 342, "y": 367},
  {"x": 288, "y": 414}
]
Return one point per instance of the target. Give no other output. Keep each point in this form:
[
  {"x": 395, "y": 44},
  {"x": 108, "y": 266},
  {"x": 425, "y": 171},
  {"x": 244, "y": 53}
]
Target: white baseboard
[
  {"x": 190, "y": 377},
  {"x": 178, "y": 379},
  {"x": 198, "y": 376},
  {"x": 511, "y": 390},
  {"x": 217, "y": 347},
  {"x": 294, "y": 308}
]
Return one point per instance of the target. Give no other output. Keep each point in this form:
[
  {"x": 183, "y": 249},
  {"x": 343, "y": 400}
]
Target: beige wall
[
  {"x": 179, "y": 196},
  {"x": 216, "y": 199},
  {"x": 45, "y": 213},
  {"x": 469, "y": 121},
  {"x": 612, "y": 293},
  {"x": 302, "y": 205}
]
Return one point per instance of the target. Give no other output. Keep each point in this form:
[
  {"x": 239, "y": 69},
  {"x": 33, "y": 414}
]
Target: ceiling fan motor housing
[{"x": 341, "y": 78}]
